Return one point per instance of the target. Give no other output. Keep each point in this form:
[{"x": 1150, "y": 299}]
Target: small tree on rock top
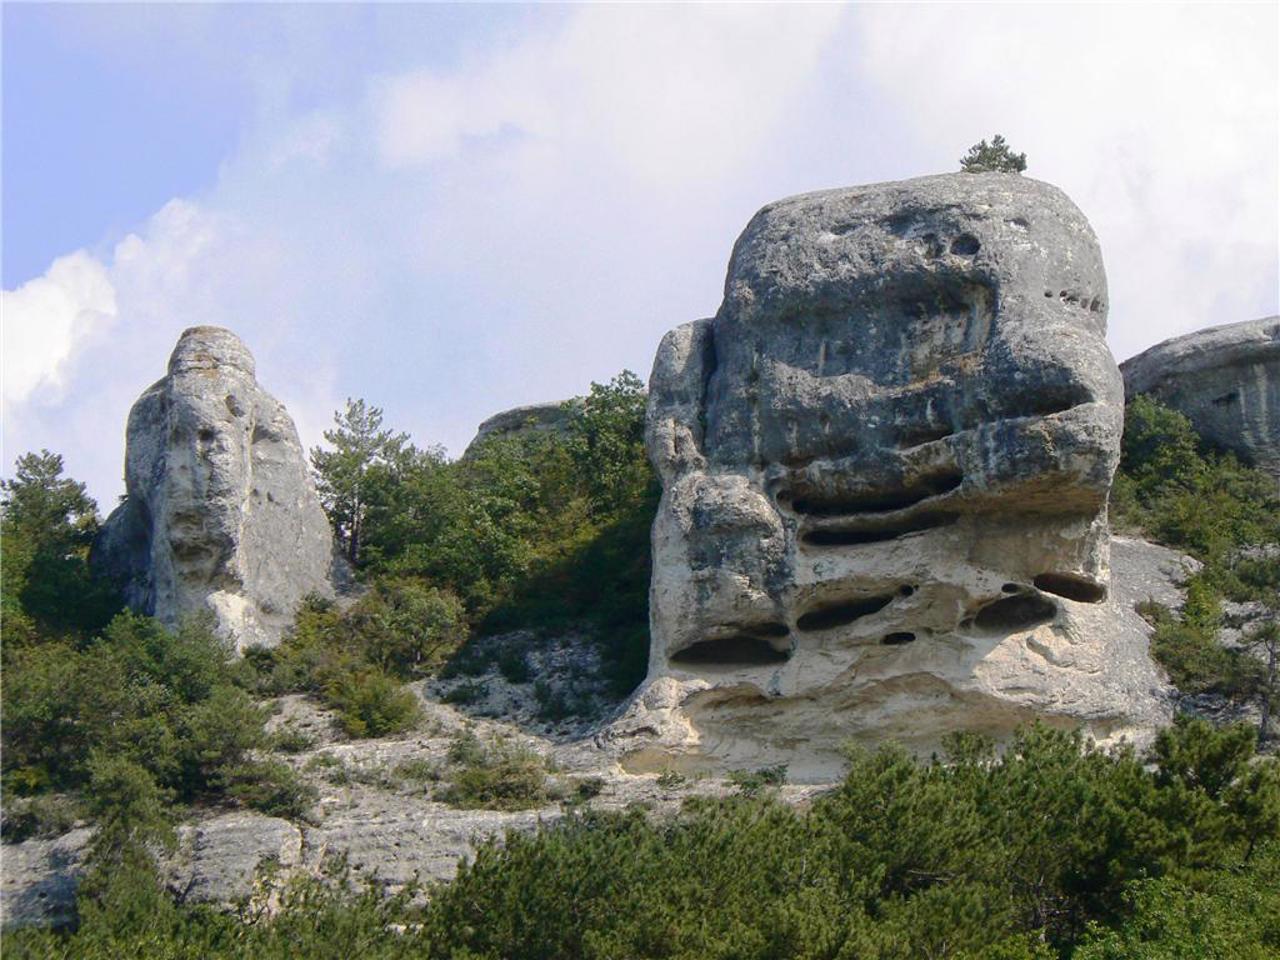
[{"x": 993, "y": 157}]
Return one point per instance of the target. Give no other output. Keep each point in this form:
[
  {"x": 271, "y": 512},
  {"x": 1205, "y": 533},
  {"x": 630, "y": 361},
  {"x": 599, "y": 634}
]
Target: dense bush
[
  {"x": 169, "y": 701},
  {"x": 1050, "y": 850}
]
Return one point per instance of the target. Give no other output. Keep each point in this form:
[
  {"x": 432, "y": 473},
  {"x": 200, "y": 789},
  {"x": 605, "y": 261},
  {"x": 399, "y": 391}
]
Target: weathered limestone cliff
[
  {"x": 220, "y": 512},
  {"x": 886, "y": 463},
  {"x": 1227, "y": 382}
]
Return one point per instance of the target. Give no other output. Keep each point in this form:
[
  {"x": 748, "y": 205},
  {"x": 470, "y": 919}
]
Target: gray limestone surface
[
  {"x": 886, "y": 463},
  {"x": 1226, "y": 380},
  {"x": 220, "y": 511}
]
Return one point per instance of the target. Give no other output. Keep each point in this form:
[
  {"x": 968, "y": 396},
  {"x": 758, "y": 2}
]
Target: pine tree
[
  {"x": 345, "y": 474},
  {"x": 993, "y": 157}
]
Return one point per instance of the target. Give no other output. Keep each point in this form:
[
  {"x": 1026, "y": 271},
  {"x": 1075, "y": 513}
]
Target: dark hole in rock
[
  {"x": 1055, "y": 398},
  {"x": 966, "y": 623},
  {"x": 768, "y": 630},
  {"x": 897, "y": 638},
  {"x": 1227, "y": 398},
  {"x": 732, "y": 650},
  {"x": 1012, "y": 588},
  {"x": 906, "y": 590},
  {"x": 879, "y": 534},
  {"x": 839, "y": 614},
  {"x": 885, "y": 501},
  {"x": 1071, "y": 587},
  {"x": 1021, "y": 612},
  {"x": 966, "y": 245},
  {"x": 206, "y": 435},
  {"x": 1048, "y": 293},
  {"x": 1095, "y": 305},
  {"x": 914, "y": 436}
]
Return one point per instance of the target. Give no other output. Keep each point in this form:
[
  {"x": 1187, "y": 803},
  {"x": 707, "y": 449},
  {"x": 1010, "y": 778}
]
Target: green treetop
[{"x": 993, "y": 157}]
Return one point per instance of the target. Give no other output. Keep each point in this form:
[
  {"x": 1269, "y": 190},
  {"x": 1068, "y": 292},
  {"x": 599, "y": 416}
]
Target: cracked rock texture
[
  {"x": 220, "y": 512},
  {"x": 1226, "y": 380},
  {"x": 886, "y": 463}
]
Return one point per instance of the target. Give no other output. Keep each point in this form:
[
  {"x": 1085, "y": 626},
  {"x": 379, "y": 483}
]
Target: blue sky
[{"x": 451, "y": 210}]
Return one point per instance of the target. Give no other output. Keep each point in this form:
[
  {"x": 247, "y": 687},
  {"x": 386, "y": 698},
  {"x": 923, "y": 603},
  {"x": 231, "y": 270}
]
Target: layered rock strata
[
  {"x": 886, "y": 463},
  {"x": 1226, "y": 380},
  {"x": 220, "y": 513}
]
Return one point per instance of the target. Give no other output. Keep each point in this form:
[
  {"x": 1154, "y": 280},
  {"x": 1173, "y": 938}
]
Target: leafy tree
[
  {"x": 49, "y": 522},
  {"x": 993, "y": 157},
  {"x": 606, "y": 441},
  {"x": 348, "y": 476}
]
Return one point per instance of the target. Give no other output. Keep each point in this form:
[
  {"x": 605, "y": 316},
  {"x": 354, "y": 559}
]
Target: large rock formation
[
  {"x": 886, "y": 463},
  {"x": 220, "y": 512},
  {"x": 1227, "y": 382}
]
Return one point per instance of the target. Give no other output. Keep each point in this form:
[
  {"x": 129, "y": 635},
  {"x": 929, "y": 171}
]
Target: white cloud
[
  {"x": 662, "y": 94},
  {"x": 48, "y": 321},
  {"x": 1160, "y": 121}
]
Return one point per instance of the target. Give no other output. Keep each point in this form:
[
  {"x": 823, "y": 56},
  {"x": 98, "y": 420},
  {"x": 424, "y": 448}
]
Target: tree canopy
[{"x": 993, "y": 157}]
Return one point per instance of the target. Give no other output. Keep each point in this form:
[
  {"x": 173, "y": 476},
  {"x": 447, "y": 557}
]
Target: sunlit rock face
[
  {"x": 220, "y": 512},
  {"x": 886, "y": 463},
  {"x": 1226, "y": 380}
]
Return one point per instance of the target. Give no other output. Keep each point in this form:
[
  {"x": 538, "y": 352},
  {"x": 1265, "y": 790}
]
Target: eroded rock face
[
  {"x": 220, "y": 511},
  {"x": 1226, "y": 380},
  {"x": 886, "y": 463}
]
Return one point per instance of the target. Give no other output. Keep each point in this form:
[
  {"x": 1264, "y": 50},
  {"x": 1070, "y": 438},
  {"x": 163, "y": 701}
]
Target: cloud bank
[{"x": 451, "y": 236}]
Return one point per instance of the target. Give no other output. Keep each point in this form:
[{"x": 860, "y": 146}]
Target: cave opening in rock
[
  {"x": 842, "y": 613},
  {"x": 740, "y": 650},
  {"x": 1020, "y": 612},
  {"x": 1072, "y": 587},
  {"x": 876, "y": 534},
  {"x": 822, "y": 504}
]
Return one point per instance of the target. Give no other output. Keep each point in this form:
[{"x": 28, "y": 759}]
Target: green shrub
[
  {"x": 513, "y": 664},
  {"x": 501, "y": 778},
  {"x": 406, "y": 627},
  {"x": 465, "y": 694},
  {"x": 751, "y": 782},
  {"x": 498, "y": 777},
  {"x": 290, "y": 738},
  {"x": 270, "y": 787},
  {"x": 43, "y": 816},
  {"x": 371, "y": 704}
]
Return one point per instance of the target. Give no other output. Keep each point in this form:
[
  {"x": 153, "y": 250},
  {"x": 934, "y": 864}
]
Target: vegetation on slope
[
  {"x": 1050, "y": 850},
  {"x": 1175, "y": 491},
  {"x": 102, "y": 707},
  {"x": 541, "y": 530}
]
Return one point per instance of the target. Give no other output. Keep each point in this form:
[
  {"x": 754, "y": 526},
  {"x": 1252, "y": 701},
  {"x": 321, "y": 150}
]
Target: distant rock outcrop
[
  {"x": 519, "y": 421},
  {"x": 886, "y": 463},
  {"x": 220, "y": 512},
  {"x": 1226, "y": 380}
]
